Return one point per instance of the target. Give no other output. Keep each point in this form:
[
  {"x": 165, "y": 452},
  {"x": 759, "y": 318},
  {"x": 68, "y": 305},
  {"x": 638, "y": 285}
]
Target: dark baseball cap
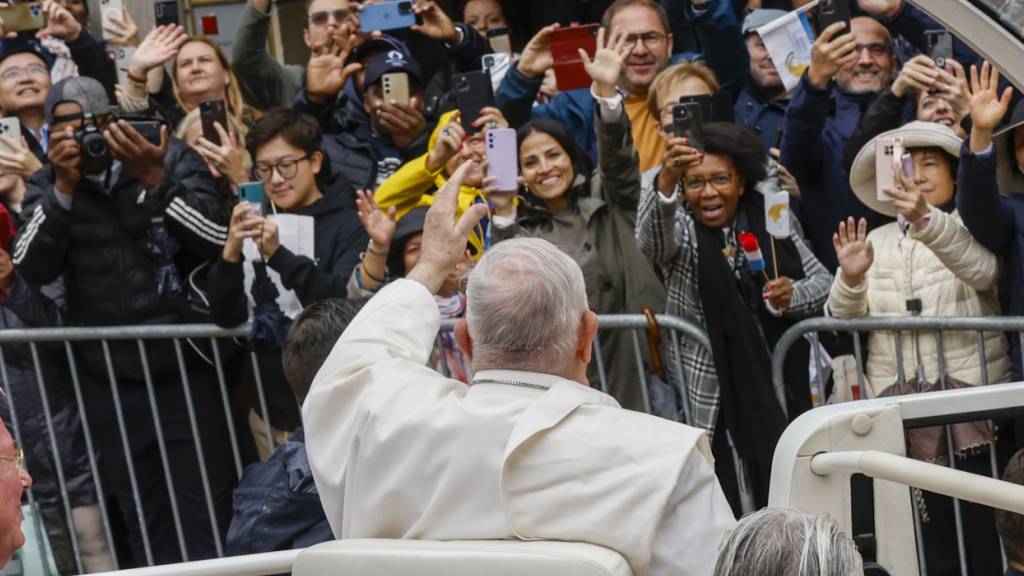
[
  {"x": 25, "y": 45},
  {"x": 389, "y": 62},
  {"x": 86, "y": 91}
]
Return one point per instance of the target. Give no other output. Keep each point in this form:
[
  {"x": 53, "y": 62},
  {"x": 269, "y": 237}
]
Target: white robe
[{"x": 400, "y": 451}]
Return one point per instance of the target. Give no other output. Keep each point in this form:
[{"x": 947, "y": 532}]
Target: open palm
[
  {"x": 379, "y": 226},
  {"x": 327, "y": 73},
  {"x": 607, "y": 63},
  {"x": 854, "y": 252},
  {"x": 159, "y": 47},
  {"x": 987, "y": 106}
]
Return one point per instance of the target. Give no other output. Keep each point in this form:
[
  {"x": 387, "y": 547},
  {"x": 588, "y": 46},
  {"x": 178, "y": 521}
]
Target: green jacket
[
  {"x": 265, "y": 82},
  {"x": 597, "y": 232}
]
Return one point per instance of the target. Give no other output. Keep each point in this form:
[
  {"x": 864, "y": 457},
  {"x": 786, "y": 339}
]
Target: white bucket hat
[{"x": 915, "y": 135}]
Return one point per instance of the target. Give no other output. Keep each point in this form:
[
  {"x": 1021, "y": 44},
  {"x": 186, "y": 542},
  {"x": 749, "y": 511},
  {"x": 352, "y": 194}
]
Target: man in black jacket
[
  {"x": 123, "y": 229},
  {"x": 285, "y": 148}
]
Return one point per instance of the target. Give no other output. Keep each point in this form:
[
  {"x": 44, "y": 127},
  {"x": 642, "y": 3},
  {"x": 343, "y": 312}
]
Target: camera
[{"x": 95, "y": 152}]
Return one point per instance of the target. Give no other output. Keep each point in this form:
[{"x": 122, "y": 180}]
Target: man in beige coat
[{"x": 528, "y": 450}]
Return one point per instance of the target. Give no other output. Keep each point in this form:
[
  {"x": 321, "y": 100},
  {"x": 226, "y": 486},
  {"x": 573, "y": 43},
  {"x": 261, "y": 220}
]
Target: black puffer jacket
[{"x": 123, "y": 253}]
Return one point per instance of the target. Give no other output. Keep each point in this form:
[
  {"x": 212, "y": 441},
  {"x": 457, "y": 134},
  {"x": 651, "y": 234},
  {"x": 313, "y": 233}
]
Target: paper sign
[
  {"x": 294, "y": 232},
  {"x": 789, "y": 40},
  {"x": 776, "y": 214}
]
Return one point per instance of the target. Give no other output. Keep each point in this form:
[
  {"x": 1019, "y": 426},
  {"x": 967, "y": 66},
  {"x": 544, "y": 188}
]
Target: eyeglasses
[
  {"x": 18, "y": 458},
  {"x": 650, "y": 39},
  {"x": 719, "y": 182},
  {"x": 874, "y": 49},
  {"x": 17, "y": 73},
  {"x": 286, "y": 168},
  {"x": 320, "y": 18}
]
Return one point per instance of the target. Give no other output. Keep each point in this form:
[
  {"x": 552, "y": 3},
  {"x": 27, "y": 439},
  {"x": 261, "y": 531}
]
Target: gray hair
[
  {"x": 787, "y": 542},
  {"x": 526, "y": 299}
]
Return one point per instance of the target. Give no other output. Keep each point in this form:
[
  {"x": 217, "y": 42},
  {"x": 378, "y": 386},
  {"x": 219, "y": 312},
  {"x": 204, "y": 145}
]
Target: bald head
[{"x": 875, "y": 65}]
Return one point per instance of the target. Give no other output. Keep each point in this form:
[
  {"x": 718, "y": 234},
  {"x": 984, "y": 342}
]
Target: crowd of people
[{"x": 318, "y": 191}]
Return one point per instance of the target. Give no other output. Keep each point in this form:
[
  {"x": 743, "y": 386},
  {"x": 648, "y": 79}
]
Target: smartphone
[
  {"x": 472, "y": 93},
  {"x": 109, "y": 9},
  {"x": 252, "y": 192},
  {"x": 166, "y": 12},
  {"x": 500, "y": 41},
  {"x": 122, "y": 59},
  {"x": 211, "y": 111},
  {"x": 149, "y": 129},
  {"x": 940, "y": 46},
  {"x": 565, "y": 44},
  {"x": 717, "y": 107},
  {"x": 686, "y": 122},
  {"x": 6, "y": 229},
  {"x": 907, "y": 165},
  {"x": 11, "y": 127},
  {"x": 832, "y": 11},
  {"x": 386, "y": 16},
  {"x": 888, "y": 152},
  {"x": 396, "y": 87},
  {"x": 21, "y": 17},
  {"x": 503, "y": 158},
  {"x": 497, "y": 66}
]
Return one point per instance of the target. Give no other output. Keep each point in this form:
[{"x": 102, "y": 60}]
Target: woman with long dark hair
[{"x": 697, "y": 212}]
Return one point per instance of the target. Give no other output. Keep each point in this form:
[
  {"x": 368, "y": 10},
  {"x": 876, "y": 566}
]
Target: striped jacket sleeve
[
  {"x": 39, "y": 248},
  {"x": 192, "y": 206}
]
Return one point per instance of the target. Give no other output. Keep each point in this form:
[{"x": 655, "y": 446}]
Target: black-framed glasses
[
  {"x": 650, "y": 39},
  {"x": 719, "y": 182},
  {"x": 18, "y": 458},
  {"x": 287, "y": 168},
  {"x": 320, "y": 17},
  {"x": 17, "y": 73}
]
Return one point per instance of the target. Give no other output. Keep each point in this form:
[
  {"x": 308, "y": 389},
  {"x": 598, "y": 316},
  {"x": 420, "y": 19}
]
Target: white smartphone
[
  {"x": 888, "y": 159},
  {"x": 110, "y": 8},
  {"x": 10, "y": 127},
  {"x": 396, "y": 87},
  {"x": 122, "y": 59},
  {"x": 497, "y": 65}
]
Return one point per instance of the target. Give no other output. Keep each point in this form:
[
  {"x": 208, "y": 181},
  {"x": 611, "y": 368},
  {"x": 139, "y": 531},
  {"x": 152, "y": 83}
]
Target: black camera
[{"x": 96, "y": 157}]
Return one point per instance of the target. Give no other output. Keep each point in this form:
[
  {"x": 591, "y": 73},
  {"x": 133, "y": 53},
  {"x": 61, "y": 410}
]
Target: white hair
[
  {"x": 526, "y": 300},
  {"x": 787, "y": 542}
]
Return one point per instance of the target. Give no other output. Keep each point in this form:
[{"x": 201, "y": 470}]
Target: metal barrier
[
  {"x": 174, "y": 346},
  {"x": 918, "y": 327},
  {"x": 821, "y": 448}
]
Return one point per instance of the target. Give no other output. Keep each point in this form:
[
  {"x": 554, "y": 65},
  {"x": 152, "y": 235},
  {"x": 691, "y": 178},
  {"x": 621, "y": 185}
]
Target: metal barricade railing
[
  {"x": 916, "y": 328},
  {"x": 821, "y": 449},
  {"x": 176, "y": 346}
]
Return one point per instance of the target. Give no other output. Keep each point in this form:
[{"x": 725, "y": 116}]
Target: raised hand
[
  {"x": 226, "y": 160},
  {"x": 919, "y": 73},
  {"x": 908, "y": 199},
  {"x": 436, "y": 24},
  {"x": 831, "y": 51},
  {"x": 954, "y": 89},
  {"x": 59, "y": 23},
  {"x": 380, "y": 226},
  {"x": 159, "y": 47},
  {"x": 402, "y": 121},
  {"x": 987, "y": 106},
  {"x": 243, "y": 225},
  {"x": 502, "y": 201},
  {"x": 17, "y": 158},
  {"x": 327, "y": 72},
  {"x": 855, "y": 253},
  {"x": 65, "y": 155},
  {"x": 490, "y": 118},
  {"x": 536, "y": 57},
  {"x": 679, "y": 157},
  {"x": 606, "y": 66},
  {"x": 140, "y": 157},
  {"x": 444, "y": 236},
  {"x": 120, "y": 30},
  {"x": 449, "y": 142}
]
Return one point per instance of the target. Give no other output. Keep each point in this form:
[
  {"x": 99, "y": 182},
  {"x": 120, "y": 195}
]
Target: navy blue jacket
[
  {"x": 718, "y": 33},
  {"x": 276, "y": 504},
  {"x": 764, "y": 118},
  {"x": 997, "y": 222}
]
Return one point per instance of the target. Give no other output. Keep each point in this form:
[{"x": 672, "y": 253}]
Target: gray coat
[{"x": 597, "y": 232}]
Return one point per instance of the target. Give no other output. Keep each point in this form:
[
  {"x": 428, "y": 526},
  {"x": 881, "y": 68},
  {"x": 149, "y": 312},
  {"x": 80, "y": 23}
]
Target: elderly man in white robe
[{"x": 528, "y": 450}]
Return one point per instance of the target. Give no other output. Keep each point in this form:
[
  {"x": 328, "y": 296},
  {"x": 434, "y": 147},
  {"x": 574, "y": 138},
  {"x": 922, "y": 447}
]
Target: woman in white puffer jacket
[{"x": 927, "y": 264}]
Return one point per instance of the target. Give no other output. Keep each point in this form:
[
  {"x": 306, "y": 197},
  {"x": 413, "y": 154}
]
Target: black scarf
[{"x": 741, "y": 332}]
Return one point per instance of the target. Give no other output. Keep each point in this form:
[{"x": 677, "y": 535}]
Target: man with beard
[{"x": 761, "y": 106}]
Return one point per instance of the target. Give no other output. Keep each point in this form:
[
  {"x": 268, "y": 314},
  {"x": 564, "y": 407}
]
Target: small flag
[
  {"x": 752, "y": 251},
  {"x": 788, "y": 40},
  {"x": 776, "y": 214}
]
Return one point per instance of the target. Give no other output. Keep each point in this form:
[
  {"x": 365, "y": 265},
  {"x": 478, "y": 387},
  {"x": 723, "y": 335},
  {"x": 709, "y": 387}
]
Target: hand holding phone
[
  {"x": 252, "y": 192},
  {"x": 686, "y": 123},
  {"x": 939, "y": 46},
  {"x": 832, "y": 11},
  {"x": 386, "y": 16},
  {"x": 22, "y": 17},
  {"x": 396, "y": 87},
  {"x": 503, "y": 159},
  {"x": 473, "y": 93},
  {"x": 211, "y": 111}
]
